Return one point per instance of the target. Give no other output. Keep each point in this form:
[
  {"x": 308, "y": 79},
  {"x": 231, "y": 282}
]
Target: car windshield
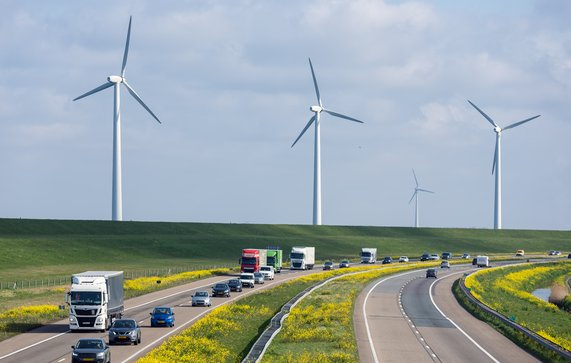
[
  {"x": 220, "y": 286},
  {"x": 201, "y": 293},
  {"x": 328, "y": 263},
  {"x": 124, "y": 324},
  {"x": 85, "y": 298},
  {"x": 161, "y": 311},
  {"x": 344, "y": 261},
  {"x": 245, "y": 277},
  {"x": 258, "y": 274},
  {"x": 234, "y": 282},
  {"x": 265, "y": 268},
  {"x": 90, "y": 344}
]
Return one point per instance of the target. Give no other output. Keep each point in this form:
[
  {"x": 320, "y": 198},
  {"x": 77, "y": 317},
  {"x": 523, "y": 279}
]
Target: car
[
  {"x": 247, "y": 279},
  {"x": 425, "y": 257},
  {"x": 235, "y": 285},
  {"x": 344, "y": 264},
  {"x": 162, "y": 316},
  {"x": 328, "y": 265},
  {"x": 403, "y": 259},
  {"x": 554, "y": 253},
  {"x": 446, "y": 255},
  {"x": 221, "y": 289},
  {"x": 431, "y": 272},
  {"x": 90, "y": 350},
  {"x": 124, "y": 331},
  {"x": 445, "y": 264},
  {"x": 434, "y": 257},
  {"x": 466, "y": 256},
  {"x": 201, "y": 298},
  {"x": 258, "y": 278},
  {"x": 387, "y": 259},
  {"x": 520, "y": 253},
  {"x": 268, "y": 272}
]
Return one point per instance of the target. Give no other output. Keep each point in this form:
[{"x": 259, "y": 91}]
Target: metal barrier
[{"x": 530, "y": 334}]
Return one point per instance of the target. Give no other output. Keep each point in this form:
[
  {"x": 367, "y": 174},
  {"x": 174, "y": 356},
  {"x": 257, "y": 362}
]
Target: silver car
[
  {"x": 258, "y": 278},
  {"x": 201, "y": 298}
]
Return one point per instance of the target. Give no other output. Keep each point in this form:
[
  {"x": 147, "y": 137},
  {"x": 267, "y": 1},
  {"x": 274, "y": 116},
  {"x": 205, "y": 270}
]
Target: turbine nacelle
[
  {"x": 497, "y": 129},
  {"x": 316, "y": 109},
  {"x": 115, "y": 79}
]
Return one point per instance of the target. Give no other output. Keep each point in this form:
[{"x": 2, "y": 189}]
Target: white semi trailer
[
  {"x": 95, "y": 299},
  {"x": 302, "y": 258},
  {"x": 368, "y": 255}
]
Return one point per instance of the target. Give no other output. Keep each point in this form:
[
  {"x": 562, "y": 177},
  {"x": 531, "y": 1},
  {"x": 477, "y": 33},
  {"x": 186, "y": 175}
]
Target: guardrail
[{"x": 530, "y": 334}]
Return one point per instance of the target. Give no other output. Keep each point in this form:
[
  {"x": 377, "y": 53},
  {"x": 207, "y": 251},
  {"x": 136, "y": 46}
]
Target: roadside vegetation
[{"x": 508, "y": 290}]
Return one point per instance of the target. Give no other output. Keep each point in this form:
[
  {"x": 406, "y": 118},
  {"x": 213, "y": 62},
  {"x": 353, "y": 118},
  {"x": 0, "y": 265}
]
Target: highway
[
  {"x": 53, "y": 343},
  {"x": 411, "y": 318}
]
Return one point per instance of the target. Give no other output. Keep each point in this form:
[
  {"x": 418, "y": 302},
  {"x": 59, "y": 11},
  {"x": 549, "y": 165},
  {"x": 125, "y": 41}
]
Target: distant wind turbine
[
  {"x": 117, "y": 203},
  {"x": 415, "y": 197},
  {"x": 497, "y": 166},
  {"x": 317, "y": 146}
]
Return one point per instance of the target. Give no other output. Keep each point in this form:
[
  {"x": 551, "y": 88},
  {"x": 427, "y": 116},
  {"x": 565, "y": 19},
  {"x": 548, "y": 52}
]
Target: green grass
[{"x": 34, "y": 249}]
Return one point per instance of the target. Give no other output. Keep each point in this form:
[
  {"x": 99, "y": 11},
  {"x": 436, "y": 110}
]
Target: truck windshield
[
  {"x": 297, "y": 255},
  {"x": 86, "y": 298},
  {"x": 248, "y": 260},
  {"x": 271, "y": 260},
  {"x": 365, "y": 254}
]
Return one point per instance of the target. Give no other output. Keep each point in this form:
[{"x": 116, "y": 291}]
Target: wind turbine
[
  {"x": 497, "y": 166},
  {"x": 117, "y": 196},
  {"x": 415, "y": 197},
  {"x": 315, "y": 119}
]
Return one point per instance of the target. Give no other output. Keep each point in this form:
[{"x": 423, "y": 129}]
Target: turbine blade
[
  {"x": 483, "y": 114},
  {"x": 136, "y": 96},
  {"x": 126, "y": 49},
  {"x": 95, "y": 90},
  {"x": 495, "y": 157},
  {"x": 333, "y": 113},
  {"x": 311, "y": 120},
  {"x": 519, "y": 123},
  {"x": 315, "y": 83},
  {"x": 425, "y": 190},
  {"x": 411, "y": 198},
  {"x": 416, "y": 180}
]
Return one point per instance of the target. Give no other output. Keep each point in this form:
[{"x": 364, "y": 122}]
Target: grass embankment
[
  {"x": 507, "y": 290},
  {"x": 34, "y": 249},
  {"x": 229, "y": 331}
]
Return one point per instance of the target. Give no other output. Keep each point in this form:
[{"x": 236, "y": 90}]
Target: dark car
[
  {"x": 387, "y": 259},
  {"x": 162, "y": 316},
  {"x": 221, "y": 290},
  {"x": 235, "y": 285},
  {"x": 446, "y": 255},
  {"x": 344, "y": 264},
  {"x": 431, "y": 272},
  {"x": 124, "y": 331},
  {"x": 425, "y": 257},
  {"x": 328, "y": 265},
  {"x": 90, "y": 350}
]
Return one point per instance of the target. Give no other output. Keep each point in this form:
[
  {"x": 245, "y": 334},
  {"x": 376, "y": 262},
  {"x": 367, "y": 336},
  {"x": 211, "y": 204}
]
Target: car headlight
[
  {"x": 74, "y": 354},
  {"x": 134, "y": 332},
  {"x": 111, "y": 332},
  {"x": 101, "y": 355}
]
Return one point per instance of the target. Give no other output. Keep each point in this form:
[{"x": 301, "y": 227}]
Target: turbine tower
[
  {"x": 316, "y": 119},
  {"x": 415, "y": 197},
  {"x": 497, "y": 166},
  {"x": 116, "y": 81}
]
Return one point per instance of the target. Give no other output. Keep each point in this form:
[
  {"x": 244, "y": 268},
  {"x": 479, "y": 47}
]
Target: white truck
[
  {"x": 302, "y": 258},
  {"x": 368, "y": 255},
  {"x": 95, "y": 299},
  {"x": 482, "y": 261}
]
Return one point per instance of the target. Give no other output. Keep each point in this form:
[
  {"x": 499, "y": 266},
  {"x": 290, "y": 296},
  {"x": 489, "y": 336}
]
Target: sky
[{"x": 231, "y": 83}]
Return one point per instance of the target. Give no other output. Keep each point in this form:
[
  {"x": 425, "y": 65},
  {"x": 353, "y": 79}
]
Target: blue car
[{"x": 162, "y": 316}]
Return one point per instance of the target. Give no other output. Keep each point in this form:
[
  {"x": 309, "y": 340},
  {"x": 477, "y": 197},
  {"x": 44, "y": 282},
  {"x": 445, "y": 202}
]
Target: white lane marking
[
  {"x": 61, "y": 360},
  {"x": 456, "y": 325},
  {"x": 369, "y": 337},
  {"x": 33, "y": 345}
]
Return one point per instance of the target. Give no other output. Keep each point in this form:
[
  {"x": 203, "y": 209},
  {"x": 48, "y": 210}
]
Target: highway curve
[
  {"x": 53, "y": 342},
  {"x": 411, "y": 318}
]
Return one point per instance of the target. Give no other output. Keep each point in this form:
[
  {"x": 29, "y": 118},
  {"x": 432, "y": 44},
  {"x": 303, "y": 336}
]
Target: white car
[
  {"x": 268, "y": 272},
  {"x": 247, "y": 279},
  {"x": 201, "y": 298},
  {"x": 434, "y": 257},
  {"x": 554, "y": 253},
  {"x": 258, "y": 278},
  {"x": 403, "y": 259}
]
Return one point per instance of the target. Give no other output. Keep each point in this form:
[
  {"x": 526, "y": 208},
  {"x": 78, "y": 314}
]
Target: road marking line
[
  {"x": 33, "y": 345},
  {"x": 61, "y": 360},
  {"x": 453, "y": 323}
]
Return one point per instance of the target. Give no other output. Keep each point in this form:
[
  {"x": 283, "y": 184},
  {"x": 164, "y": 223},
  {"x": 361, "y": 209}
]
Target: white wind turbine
[
  {"x": 497, "y": 166},
  {"x": 117, "y": 197},
  {"x": 415, "y": 197},
  {"x": 317, "y": 147}
]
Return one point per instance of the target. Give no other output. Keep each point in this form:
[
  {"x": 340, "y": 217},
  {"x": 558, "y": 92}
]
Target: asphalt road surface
[
  {"x": 52, "y": 343},
  {"x": 411, "y": 318}
]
